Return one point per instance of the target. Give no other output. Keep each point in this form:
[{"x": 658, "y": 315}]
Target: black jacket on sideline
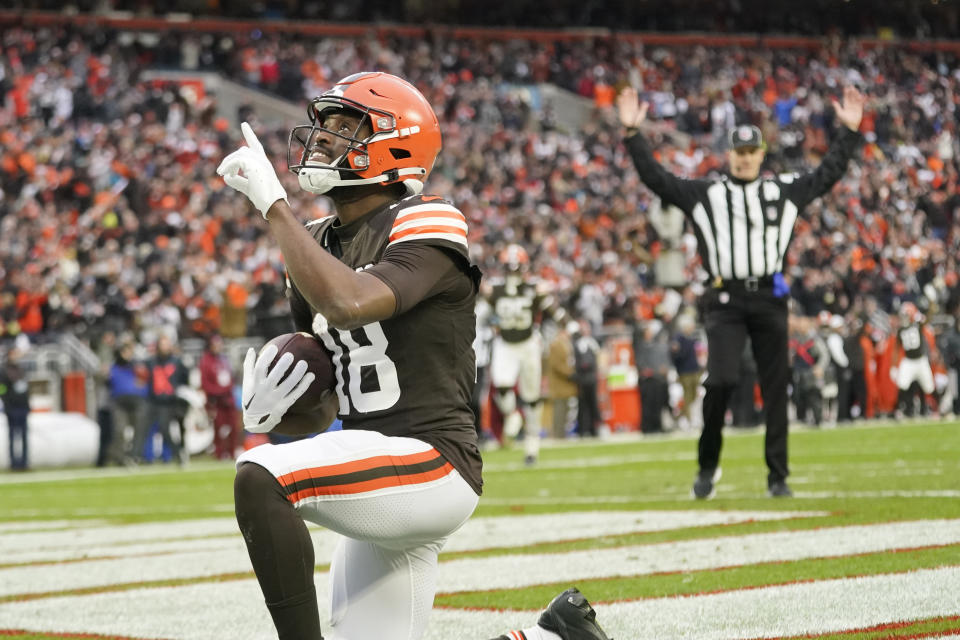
[{"x": 14, "y": 388}]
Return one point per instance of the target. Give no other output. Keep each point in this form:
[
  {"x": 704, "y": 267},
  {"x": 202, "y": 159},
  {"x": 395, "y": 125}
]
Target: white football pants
[
  {"x": 395, "y": 501},
  {"x": 520, "y": 364},
  {"x": 912, "y": 370},
  {"x": 517, "y": 363}
]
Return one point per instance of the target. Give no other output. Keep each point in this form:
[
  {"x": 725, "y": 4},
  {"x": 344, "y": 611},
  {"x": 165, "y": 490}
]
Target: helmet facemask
[
  {"x": 352, "y": 166},
  {"x": 515, "y": 261},
  {"x": 316, "y": 175}
]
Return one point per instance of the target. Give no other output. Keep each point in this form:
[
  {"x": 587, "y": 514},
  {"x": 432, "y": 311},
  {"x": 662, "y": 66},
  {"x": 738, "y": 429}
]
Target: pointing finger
[{"x": 250, "y": 137}]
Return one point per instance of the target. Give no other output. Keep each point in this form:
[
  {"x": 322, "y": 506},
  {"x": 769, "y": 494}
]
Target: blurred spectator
[
  {"x": 683, "y": 353},
  {"x": 836, "y": 379},
  {"x": 15, "y": 393},
  {"x": 885, "y": 349},
  {"x": 652, "y": 356},
  {"x": 852, "y": 404},
  {"x": 586, "y": 353},
  {"x": 868, "y": 339},
  {"x": 105, "y": 350},
  {"x": 217, "y": 382},
  {"x": 128, "y": 400},
  {"x": 561, "y": 384},
  {"x": 167, "y": 373},
  {"x": 810, "y": 358},
  {"x": 234, "y": 308},
  {"x": 950, "y": 348},
  {"x": 482, "y": 344}
]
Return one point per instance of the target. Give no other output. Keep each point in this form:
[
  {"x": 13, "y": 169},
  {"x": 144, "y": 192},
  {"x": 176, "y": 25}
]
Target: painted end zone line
[
  {"x": 803, "y": 610},
  {"x": 521, "y": 570},
  {"x": 718, "y": 569},
  {"x": 89, "y": 636},
  {"x": 776, "y": 612},
  {"x": 890, "y": 626}
]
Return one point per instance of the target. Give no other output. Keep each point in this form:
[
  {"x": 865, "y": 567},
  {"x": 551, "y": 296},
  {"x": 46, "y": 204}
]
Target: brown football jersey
[
  {"x": 412, "y": 374},
  {"x": 517, "y": 307},
  {"x": 912, "y": 341}
]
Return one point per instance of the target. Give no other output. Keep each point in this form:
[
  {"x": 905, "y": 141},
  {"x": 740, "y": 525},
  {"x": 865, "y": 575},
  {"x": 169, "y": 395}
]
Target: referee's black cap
[{"x": 746, "y": 135}]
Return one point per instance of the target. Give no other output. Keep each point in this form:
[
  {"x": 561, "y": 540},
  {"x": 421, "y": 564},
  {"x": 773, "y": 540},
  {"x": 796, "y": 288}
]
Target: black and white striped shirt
[{"x": 744, "y": 228}]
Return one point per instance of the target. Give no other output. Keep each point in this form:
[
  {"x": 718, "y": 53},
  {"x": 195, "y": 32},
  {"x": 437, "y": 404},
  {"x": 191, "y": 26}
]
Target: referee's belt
[{"x": 753, "y": 283}]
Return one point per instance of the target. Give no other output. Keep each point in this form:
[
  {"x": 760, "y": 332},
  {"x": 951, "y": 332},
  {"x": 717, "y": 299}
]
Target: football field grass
[{"x": 868, "y": 548}]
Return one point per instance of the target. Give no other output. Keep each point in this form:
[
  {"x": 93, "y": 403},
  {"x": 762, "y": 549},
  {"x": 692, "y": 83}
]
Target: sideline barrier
[
  {"x": 55, "y": 439},
  {"x": 74, "y": 392},
  {"x": 622, "y": 395}
]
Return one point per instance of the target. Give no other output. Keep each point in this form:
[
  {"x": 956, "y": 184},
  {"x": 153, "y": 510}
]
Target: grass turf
[{"x": 862, "y": 474}]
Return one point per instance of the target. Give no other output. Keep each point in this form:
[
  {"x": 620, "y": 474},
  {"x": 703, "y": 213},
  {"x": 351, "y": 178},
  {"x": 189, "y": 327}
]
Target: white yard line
[
  {"x": 892, "y": 493},
  {"x": 723, "y": 492},
  {"x": 100, "y": 553},
  {"x": 528, "y": 569},
  {"x": 233, "y": 611},
  {"x": 85, "y": 473},
  {"x": 477, "y": 533},
  {"x": 592, "y": 461},
  {"x": 85, "y": 537},
  {"x": 45, "y": 525},
  {"x": 515, "y": 531},
  {"x": 509, "y": 571},
  {"x": 798, "y": 609},
  {"x": 106, "y": 511},
  {"x": 173, "y": 550}
]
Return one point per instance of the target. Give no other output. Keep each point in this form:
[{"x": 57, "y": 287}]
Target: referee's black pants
[{"x": 729, "y": 316}]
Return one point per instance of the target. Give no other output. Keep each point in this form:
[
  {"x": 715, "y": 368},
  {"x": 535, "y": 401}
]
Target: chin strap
[{"x": 321, "y": 180}]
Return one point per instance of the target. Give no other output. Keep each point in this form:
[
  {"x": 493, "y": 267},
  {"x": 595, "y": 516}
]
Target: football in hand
[{"x": 305, "y": 347}]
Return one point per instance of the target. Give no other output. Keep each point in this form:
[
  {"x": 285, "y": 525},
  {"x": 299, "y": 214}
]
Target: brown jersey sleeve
[
  {"x": 299, "y": 309},
  {"x": 416, "y": 272}
]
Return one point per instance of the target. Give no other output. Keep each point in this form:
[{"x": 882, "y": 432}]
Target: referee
[{"x": 744, "y": 224}]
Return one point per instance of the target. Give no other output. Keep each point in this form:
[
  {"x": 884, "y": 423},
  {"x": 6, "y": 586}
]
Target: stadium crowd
[{"x": 112, "y": 217}]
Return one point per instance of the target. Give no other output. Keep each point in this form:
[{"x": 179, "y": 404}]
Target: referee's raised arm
[
  {"x": 814, "y": 184},
  {"x": 667, "y": 186}
]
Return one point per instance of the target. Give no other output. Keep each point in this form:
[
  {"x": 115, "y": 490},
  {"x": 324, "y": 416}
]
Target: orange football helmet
[
  {"x": 403, "y": 145},
  {"x": 909, "y": 312},
  {"x": 514, "y": 258}
]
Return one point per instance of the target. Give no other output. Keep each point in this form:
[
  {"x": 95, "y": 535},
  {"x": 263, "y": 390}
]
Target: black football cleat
[
  {"x": 571, "y": 617},
  {"x": 779, "y": 489},
  {"x": 704, "y": 485}
]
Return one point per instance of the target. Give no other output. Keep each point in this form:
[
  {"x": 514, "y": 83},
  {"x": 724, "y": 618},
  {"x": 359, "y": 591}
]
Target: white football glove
[
  {"x": 265, "y": 397},
  {"x": 259, "y": 181}
]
